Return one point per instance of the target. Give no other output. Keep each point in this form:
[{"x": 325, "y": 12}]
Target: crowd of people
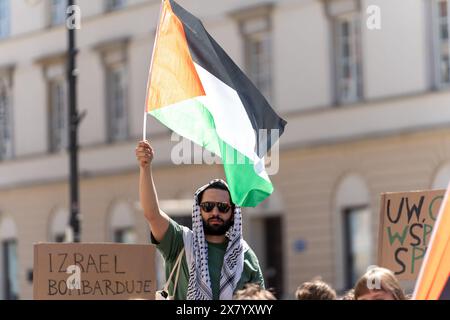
[{"x": 376, "y": 284}]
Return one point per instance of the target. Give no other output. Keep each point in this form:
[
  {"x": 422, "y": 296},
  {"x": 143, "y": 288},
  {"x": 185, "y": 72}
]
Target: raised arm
[{"x": 158, "y": 220}]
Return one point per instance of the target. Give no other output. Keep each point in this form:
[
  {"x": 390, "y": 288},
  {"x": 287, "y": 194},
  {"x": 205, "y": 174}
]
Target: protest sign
[
  {"x": 93, "y": 271},
  {"x": 406, "y": 224}
]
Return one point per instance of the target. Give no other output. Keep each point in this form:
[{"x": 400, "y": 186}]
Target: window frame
[
  {"x": 6, "y": 88},
  {"x": 63, "y": 132},
  {"x": 118, "y": 128},
  {"x": 57, "y": 18},
  {"x": 438, "y": 45},
  {"x": 254, "y": 30},
  {"x": 355, "y": 57}
]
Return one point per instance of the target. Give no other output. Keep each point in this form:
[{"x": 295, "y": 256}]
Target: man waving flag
[{"x": 196, "y": 90}]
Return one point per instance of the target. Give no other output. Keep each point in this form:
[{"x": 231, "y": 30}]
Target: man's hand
[
  {"x": 158, "y": 220},
  {"x": 144, "y": 154}
]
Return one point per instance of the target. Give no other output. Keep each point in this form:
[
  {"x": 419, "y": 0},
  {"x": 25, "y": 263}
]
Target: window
[
  {"x": 114, "y": 57},
  {"x": 6, "y": 121},
  {"x": 116, "y": 109},
  {"x": 356, "y": 243},
  {"x": 9, "y": 280},
  {"x": 122, "y": 224},
  {"x": 4, "y": 18},
  {"x": 58, "y": 12},
  {"x": 274, "y": 254},
  {"x": 352, "y": 231},
  {"x": 257, "y": 38},
  {"x": 58, "y": 115},
  {"x": 442, "y": 30},
  {"x": 125, "y": 235},
  {"x": 348, "y": 58},
  {"x": 183, "y": 221},
  {"x": 58, "y": 225},
  {"x": 10, "y": 270},
  {"x": 112, "y": 5},
  {"x": 54, "y": 68}
]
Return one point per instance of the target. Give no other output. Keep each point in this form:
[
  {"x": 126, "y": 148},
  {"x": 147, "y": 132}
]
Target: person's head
[
  {"x": 315, "y": 290},
  {"x": 217, "y": 209},
  {"x": 252, "y": 291},
  {"x": 378, "y": 284},
  {"x": 349, "y": 295}
]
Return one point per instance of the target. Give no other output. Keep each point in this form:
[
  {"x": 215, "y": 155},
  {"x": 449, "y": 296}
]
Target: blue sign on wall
[{"x": 300, "y": 245}]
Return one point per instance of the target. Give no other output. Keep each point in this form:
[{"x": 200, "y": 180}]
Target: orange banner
[{"x": 433, "y": 282}]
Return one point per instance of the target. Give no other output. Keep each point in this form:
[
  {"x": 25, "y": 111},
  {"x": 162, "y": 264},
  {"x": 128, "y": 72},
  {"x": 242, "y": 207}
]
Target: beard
[{"x": 217, "y": 230}]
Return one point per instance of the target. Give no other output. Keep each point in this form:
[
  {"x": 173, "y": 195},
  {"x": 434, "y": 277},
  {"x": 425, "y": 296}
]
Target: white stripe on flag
[{"x": 231, "y": 119}]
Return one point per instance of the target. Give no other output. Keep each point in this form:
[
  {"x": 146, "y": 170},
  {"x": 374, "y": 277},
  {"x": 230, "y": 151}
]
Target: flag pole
[{"x": 144, "y": 130}]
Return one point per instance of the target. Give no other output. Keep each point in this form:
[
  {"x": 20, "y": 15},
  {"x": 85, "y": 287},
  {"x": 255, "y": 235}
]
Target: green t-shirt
[{"x": 171, "y": 246}]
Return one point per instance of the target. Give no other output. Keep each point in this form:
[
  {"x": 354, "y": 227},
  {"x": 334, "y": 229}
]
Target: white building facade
[{"x": 367, "y": 110}]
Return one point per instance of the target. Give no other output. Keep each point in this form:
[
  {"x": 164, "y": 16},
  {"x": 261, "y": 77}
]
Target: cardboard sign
[
  {"x": 406, "y": 223},
  {"x": 100, "y": 271}
]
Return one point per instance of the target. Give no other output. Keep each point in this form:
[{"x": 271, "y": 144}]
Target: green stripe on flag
[
  {"x": 246, "y": 186},
  {"x": 192, "y": 120}
]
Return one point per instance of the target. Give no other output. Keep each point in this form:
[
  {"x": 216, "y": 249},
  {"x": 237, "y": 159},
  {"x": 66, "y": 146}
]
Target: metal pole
[{"x": 75, "y": 219}]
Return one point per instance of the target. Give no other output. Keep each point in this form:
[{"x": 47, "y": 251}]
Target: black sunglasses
[{"x": 208, "y": 206}]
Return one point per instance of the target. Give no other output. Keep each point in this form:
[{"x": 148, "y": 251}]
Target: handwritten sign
[
  {"x": 80, "y": 271},
  {"x": 406, "y": 224}
]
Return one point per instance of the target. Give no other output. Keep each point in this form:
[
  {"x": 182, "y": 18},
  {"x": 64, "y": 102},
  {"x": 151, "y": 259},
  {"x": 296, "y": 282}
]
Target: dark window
[
  {"x": 10, "y": 279},
  {"x": 59, "y": 237},
  {"x": 184, "y": 221},
  {"x": 124, "y": 235},
  {"x": 357, "y": 242},
  {"x": 274, "y": 255}
]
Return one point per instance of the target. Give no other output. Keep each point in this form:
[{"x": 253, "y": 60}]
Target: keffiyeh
[{"x": 199, "y": 287}]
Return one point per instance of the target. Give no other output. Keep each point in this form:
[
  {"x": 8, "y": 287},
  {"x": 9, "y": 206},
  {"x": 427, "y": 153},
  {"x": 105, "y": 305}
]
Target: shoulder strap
[
  {"x": 178, "y": 272},
  {"x": 176, "y": 266}
]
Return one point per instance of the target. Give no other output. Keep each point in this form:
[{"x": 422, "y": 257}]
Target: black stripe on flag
[
  {"x": 207, "y": 53},
  {"x": 445, "y": 295}
]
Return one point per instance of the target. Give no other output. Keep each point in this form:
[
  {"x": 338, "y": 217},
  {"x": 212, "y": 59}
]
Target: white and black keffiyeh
[{"x": 199, "y": 287}]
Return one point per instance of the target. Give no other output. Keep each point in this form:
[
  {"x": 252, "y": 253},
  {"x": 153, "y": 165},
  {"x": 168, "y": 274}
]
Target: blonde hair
[
  {"x": 387, "y": 280},
  {"x": 252, "y": 291},
  {"x": 349, "y": 295}
]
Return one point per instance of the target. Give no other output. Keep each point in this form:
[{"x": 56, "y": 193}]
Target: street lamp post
[{"x": 74, "y": 120}]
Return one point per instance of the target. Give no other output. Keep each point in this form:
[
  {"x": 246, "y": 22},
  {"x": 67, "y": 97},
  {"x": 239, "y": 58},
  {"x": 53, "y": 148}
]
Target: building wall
[
  {"x": 308, "y": 183},
  {"x": 395, "y": 57},
  {"x": 32, "y": 208},
  {"x": 394, "y": 139}
]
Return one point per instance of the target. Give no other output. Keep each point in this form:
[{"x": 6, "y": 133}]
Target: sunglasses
[{"x": 208, "y": 206}]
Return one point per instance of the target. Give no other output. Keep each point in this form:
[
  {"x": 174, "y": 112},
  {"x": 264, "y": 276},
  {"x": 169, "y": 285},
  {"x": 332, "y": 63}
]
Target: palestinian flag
[
  {"x": 196, "y": 90},
  {"x": 434, "y": 276}
]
